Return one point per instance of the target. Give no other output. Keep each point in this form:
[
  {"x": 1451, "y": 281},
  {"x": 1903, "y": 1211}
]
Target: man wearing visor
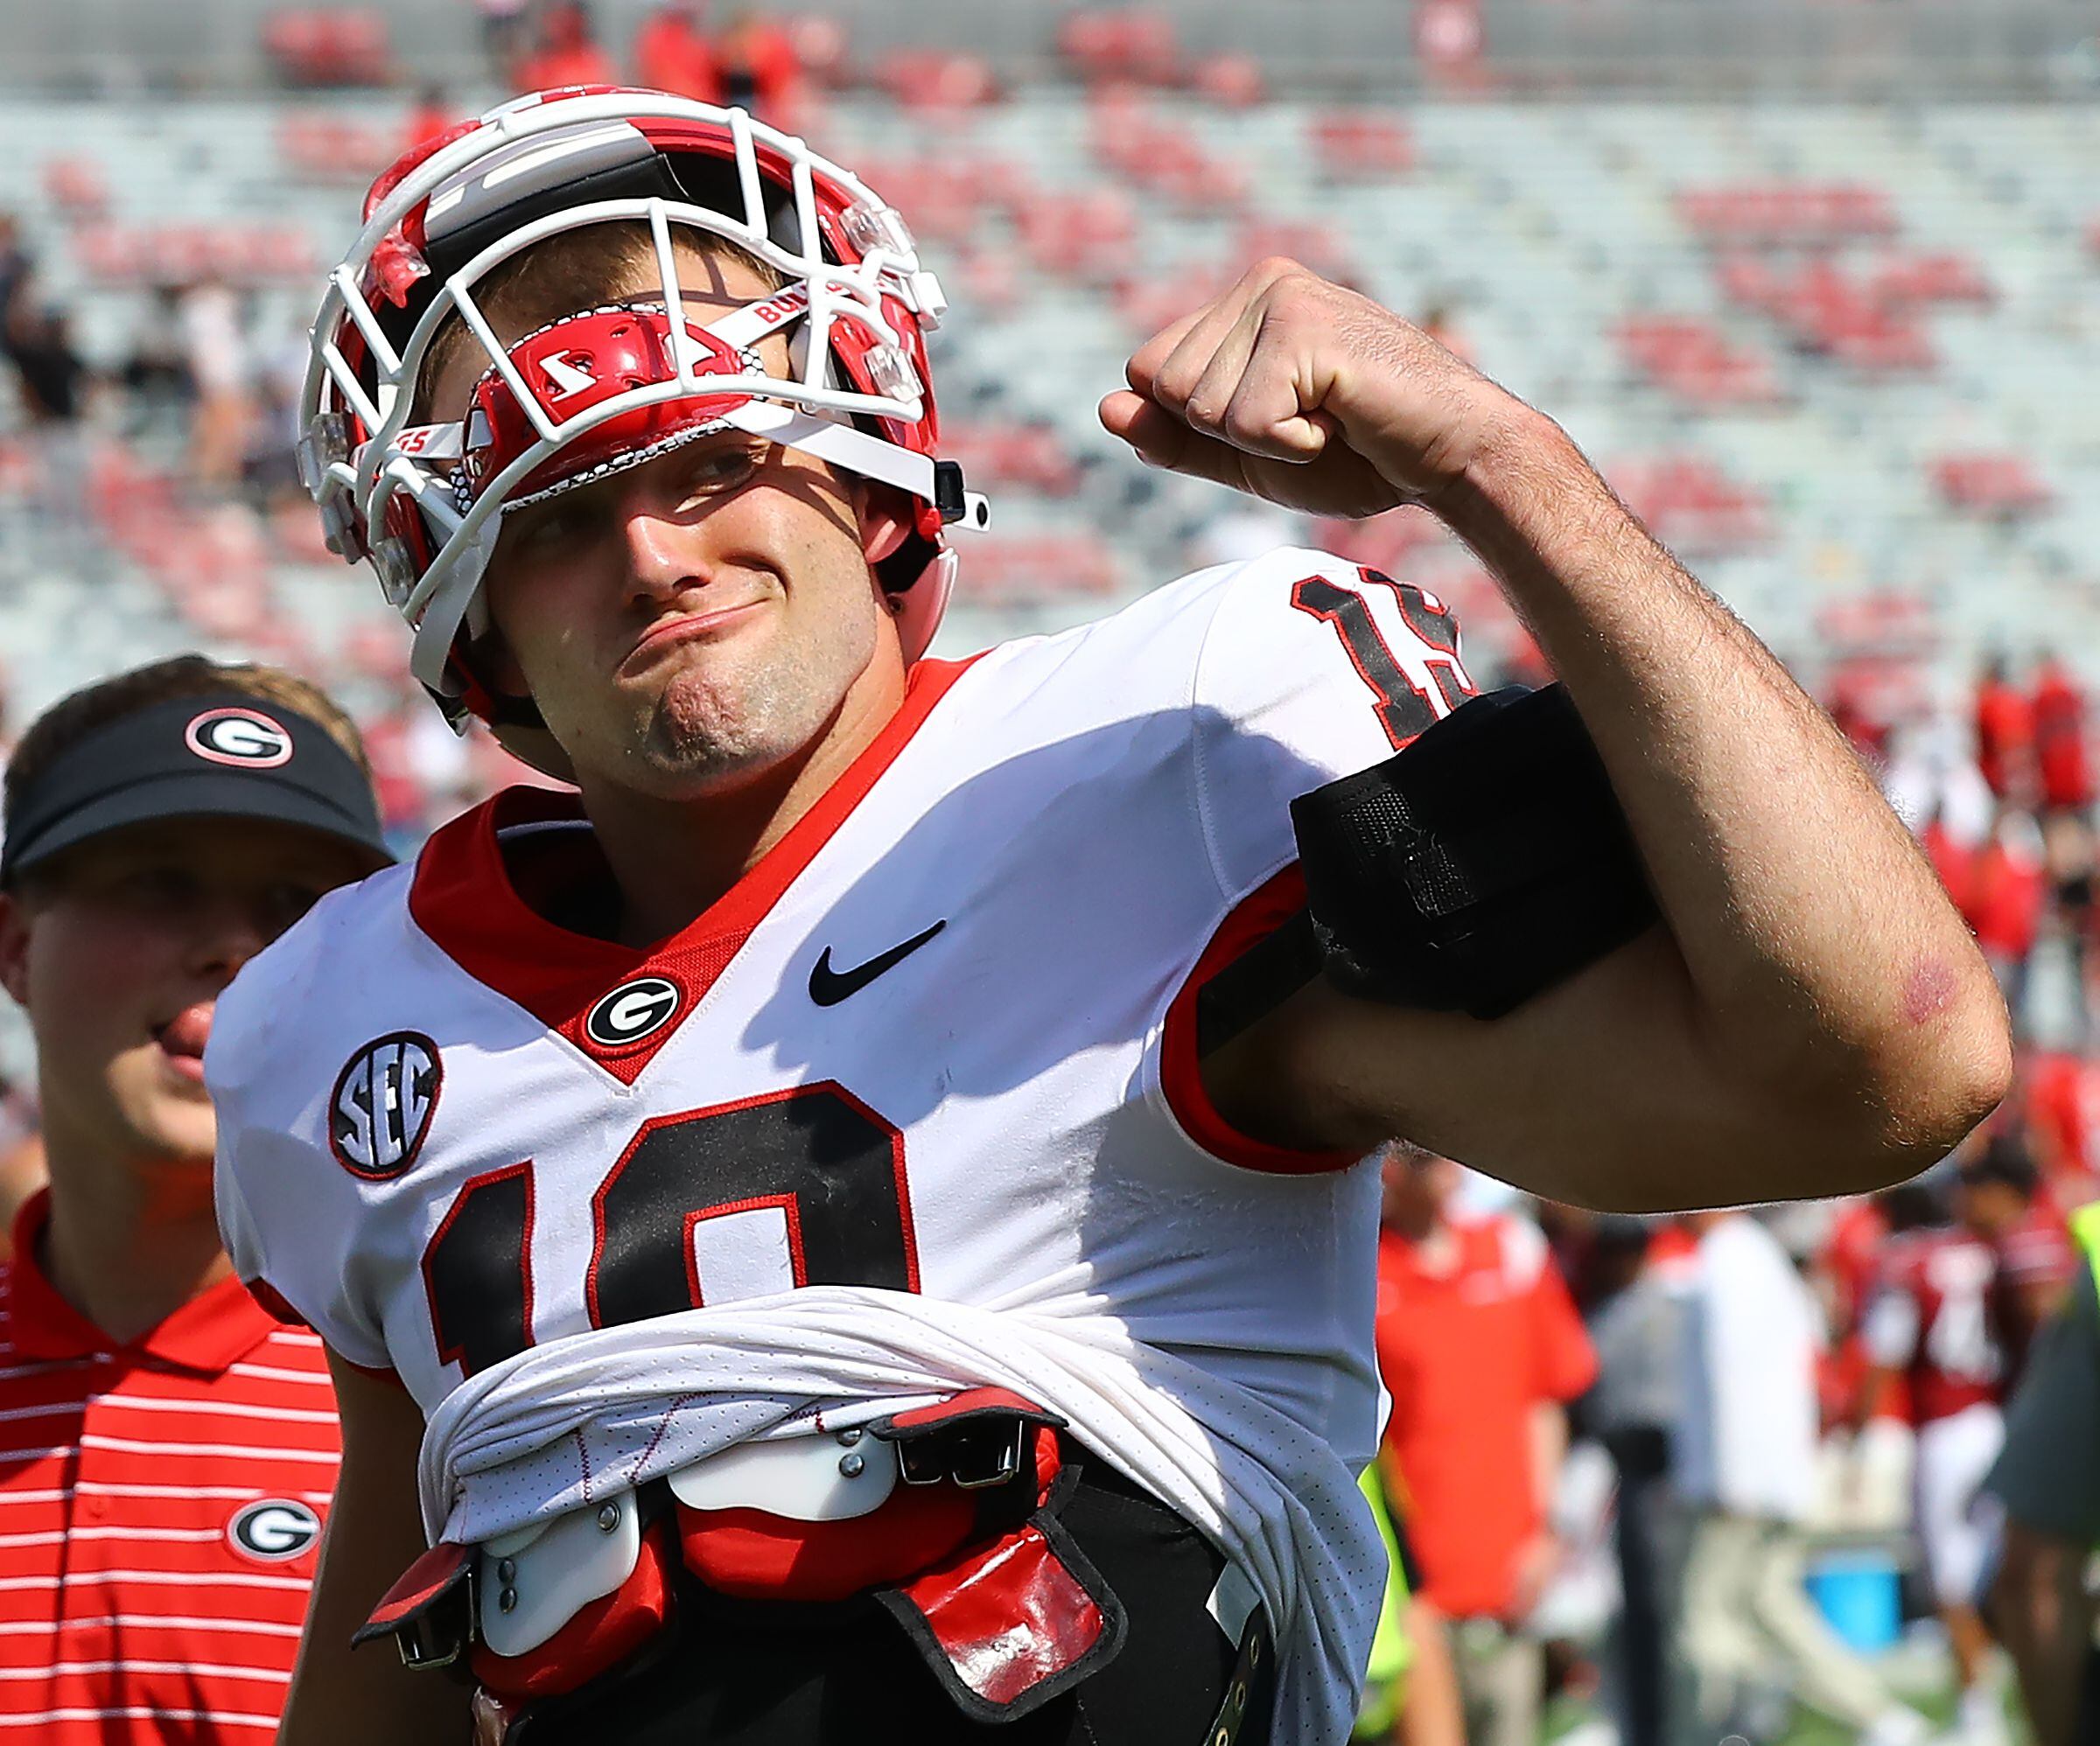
[
  {"x": 850, "y": 1225},
  {"x": 167, "y": 1446}
]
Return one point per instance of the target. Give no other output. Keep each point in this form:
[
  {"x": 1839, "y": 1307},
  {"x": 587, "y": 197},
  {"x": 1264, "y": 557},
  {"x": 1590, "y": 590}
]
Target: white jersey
[{"x": 940, "y": 1039}]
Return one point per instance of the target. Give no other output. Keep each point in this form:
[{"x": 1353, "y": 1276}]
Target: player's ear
[
  {"x": 14, "y": 948},
  {"x": 886, "y": 519}
]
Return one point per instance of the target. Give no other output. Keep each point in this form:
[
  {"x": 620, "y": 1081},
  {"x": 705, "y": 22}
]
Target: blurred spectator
[
  {"x": 35, "y": 336},
  {"x": 429, "y": 116},
  {"x": 2004, "y": 732},
  {"x": 503, "y": 39},
  {"x": 2000, "y": 1197},
  {"x": 2049, "y": 1479},
  {"x": 1480, "y": 1345},
  {"x": 1938, "y": 1322},
  {"x": 215, "y": 353},
  {"x": 1636, "y": 1329},
  {"x": 1744, "y": 1443},
  {"x": 2060, "y": 749},
  {"x": 156, "y": 374},
  {"x": 15, "y": 261},
  {"x": 671, "y": 53},
  {"x": 2059, "y": 1108},
  {"x": 756, "y": 63},
  {"x": 568, "y": 54},
  {"x": 2004, "y": 903}
]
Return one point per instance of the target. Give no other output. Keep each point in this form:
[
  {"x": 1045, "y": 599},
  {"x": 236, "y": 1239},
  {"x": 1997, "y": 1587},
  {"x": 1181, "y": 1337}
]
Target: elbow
[{"x": 1910, "y": 1103}]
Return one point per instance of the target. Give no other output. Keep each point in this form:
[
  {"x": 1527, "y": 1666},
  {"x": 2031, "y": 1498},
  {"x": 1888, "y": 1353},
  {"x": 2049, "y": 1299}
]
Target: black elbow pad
[{"x": 1484, "y": 863}]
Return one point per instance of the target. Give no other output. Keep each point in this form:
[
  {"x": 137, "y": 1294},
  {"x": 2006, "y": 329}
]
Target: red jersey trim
[
  {"x": 1256, "y": 916},
  {"x": 463, "y": 898},
  {"x": 218, "y": 1326}
]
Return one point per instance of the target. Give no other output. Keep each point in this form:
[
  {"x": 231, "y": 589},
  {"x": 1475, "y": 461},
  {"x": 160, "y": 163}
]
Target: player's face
[
  {"x": 1987, "y": 1207},
  {"x": 118, "y": 953},
  {"x": 688, "y": 625}
]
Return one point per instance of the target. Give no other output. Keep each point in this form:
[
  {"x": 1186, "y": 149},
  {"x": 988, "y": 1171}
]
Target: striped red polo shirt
[{"x": 160, "y": 1510}]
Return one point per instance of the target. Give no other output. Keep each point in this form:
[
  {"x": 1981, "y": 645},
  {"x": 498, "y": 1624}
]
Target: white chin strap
[{"x": 458, "y": 601}]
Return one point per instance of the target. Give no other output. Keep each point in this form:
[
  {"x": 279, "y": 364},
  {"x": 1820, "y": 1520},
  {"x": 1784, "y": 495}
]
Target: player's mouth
[
  {"x": 686, "y": 628},
  {"x": 182, "y": 1040}
]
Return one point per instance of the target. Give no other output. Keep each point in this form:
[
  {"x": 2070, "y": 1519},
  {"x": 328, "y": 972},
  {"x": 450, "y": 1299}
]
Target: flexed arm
[{"x": 1811, "y": 1017}]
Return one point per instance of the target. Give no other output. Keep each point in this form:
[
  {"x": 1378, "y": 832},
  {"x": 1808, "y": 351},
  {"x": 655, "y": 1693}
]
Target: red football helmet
[{"x": 609, "y": 387}]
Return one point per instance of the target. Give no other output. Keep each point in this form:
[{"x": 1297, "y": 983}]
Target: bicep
[
  {"x": 374, "y": 1533},
  {"x": 1600, "y": 1091}
]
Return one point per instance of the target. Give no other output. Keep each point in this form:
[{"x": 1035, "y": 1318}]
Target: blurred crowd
[
  {"x": 745, "y": 59},
  {"x": 1662, "y": 1481}
]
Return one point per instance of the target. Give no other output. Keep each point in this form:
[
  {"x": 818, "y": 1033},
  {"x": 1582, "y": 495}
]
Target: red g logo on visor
[
  {"x": 247, "y": 739},
  {"x": 577, "y": 365}
]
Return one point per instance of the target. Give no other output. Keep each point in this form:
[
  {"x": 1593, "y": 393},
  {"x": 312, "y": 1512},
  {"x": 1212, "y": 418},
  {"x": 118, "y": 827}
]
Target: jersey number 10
[{"x": 815, "y": 1164}]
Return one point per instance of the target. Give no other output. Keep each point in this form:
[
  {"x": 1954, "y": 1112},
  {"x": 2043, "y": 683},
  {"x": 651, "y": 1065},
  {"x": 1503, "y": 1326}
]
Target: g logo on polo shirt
[
  {"x": 633, "y": 1011},
  {"x": 246, "y": 739},
  {"x": 273, "y": 1530}
]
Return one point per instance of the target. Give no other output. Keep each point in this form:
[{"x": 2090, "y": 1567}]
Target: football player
[{"x": 850, "y": 1225}]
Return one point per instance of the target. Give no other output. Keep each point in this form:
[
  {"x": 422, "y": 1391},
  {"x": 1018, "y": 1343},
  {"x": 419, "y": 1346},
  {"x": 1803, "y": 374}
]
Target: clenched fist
[{"x": 1292, "y": 388}]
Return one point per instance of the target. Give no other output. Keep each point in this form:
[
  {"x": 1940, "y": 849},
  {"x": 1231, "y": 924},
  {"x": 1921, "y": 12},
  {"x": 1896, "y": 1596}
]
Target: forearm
[
  {"x": 1872, "y": 1387},
  {"x": 342, "y": 1696},
  {"x": 1821, "y": 955},
  {"x": 1549, "y": 1446}
]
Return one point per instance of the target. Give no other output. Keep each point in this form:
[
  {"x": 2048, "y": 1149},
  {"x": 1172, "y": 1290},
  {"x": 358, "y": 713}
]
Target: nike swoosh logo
[{"x": 828, "y": 987}]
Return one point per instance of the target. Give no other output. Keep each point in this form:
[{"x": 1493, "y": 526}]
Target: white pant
[
  {"x": 1747, "y": 1621},
  {"x": 1957, "y": 1523}
]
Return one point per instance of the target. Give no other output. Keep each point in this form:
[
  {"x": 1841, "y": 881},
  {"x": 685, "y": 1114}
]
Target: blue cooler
[{"x": 1859, "y": 1593}]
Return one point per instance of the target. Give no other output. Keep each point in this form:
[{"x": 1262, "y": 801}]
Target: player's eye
[
  {"x": 544, "y": 525},
  {"x": 720, "y": 468}
]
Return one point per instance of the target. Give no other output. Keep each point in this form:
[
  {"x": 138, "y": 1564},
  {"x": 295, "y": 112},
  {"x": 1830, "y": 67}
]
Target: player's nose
[{"x": 663, "y": 550}]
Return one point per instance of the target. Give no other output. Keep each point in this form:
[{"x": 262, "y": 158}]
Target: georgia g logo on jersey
[
  {"x": 273, "y": 1530},
  {"x": 381, "y": 1109},
  {"x": 247, "y": 739},
  {"x": 634, "y": 1011}
]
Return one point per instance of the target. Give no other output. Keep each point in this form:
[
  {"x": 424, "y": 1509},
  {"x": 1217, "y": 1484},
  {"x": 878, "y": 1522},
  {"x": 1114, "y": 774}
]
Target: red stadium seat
[
  {"x": 1692, "y": 505},
  {"x": 1162, "y": 157},
  {"x": 1015, "y": 570},
  {"x": 76, "y": 185},
  {"x": 321, "y": 147},
  {"x": 180, "y": 253},
  {"x": 1362, "y": 145},
  {"x": 1085, "y": 236},
  {"x": 328, "y": 46},
  {"x": 1694, "y": 359},
  {"x": 1118, "y": 48},
  {"x": 2004, "y": 486},
  {"x": 1768, "y": 213},
  {"x": 1008, "y": 453},
  {"x": 1234, "y": 81},
  {"x": 926, "y": 79}
]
